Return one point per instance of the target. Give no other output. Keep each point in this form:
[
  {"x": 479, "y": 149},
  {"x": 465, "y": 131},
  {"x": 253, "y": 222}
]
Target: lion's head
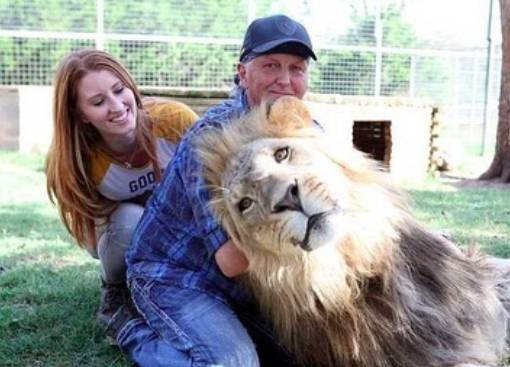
[{"x": 282, "y": 188}]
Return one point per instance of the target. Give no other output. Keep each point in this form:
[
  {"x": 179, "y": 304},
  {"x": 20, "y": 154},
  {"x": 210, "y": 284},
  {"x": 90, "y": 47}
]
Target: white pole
[
  {"x": 100, "y": 24},
  {"x": 252, "y": 10},
  {"x": 378, "y": 55},
  {"x": 412, "y": 76},
  {"x": 488, "y": 77}
]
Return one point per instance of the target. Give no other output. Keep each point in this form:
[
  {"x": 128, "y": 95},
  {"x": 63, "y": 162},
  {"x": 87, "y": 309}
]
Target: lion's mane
[{"x": 394, "y": 295}]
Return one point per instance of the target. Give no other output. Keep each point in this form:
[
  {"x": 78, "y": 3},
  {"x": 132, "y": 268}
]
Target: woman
[{"x": 106, "y": 157}]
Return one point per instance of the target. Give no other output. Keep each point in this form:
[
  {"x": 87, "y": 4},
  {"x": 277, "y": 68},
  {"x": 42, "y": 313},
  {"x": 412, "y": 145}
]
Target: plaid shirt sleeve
[
  {"x": 198, "y": 197},
  {"x": 183, "y": 196}
]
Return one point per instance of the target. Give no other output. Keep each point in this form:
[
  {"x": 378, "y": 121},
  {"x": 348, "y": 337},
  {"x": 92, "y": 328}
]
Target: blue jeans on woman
[{"x": 188, "y": 327}]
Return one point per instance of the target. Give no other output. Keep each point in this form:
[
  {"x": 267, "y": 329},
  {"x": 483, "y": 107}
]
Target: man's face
[{"x": 268, "y": 77}]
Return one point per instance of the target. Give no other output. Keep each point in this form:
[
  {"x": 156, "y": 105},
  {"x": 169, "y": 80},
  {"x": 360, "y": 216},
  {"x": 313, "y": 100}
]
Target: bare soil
[{"x": 472, "y": 182}]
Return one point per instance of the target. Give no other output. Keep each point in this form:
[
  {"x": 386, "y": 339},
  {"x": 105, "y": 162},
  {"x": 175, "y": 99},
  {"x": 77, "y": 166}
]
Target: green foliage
[
  {"x": 434, "y": 73},
  {"x": 344, "y": 72},
  {"x": 353, "y": 72},
  {"x": 169, "y": 64},
  {"x": 397, "y": 32},
  {"x": 48, "y": 15},
  {"x": 396, "y": 73},
  {"x": 202, "y": 18},
  {"x": 33, "y": 61}
]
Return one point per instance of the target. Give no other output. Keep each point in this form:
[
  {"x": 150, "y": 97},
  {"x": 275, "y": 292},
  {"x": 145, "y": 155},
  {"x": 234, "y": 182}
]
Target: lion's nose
[{"x": 290, "y": 200}]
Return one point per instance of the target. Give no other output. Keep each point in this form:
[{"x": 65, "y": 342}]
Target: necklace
[
  {"x": 125, "y": 159},
  {"x": 128, "y": 165},
  {"x": 129, "y": 162}
]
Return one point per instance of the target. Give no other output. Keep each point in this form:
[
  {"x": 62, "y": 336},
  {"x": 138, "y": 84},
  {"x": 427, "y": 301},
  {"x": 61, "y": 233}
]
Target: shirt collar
[{"x": 244, "y": 102}]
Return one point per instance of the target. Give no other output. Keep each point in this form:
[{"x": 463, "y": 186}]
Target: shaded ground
[
  {"x": 467, "y": 182},
  {"x": 466, "y": 174}
]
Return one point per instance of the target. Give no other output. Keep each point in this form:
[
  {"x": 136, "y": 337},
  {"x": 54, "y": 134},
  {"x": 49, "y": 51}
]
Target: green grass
[
  {"x": 49, "y": 288},
  {"x": 470, "y": 216}
]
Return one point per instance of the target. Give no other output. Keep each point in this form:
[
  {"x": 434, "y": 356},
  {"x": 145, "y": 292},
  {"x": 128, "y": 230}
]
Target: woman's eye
[
  {"x": 98, "y": 102},
  {"x": 281, "y": 154},
  {"x": 244, "y": 204},
  {"x": 119, "y": 90}
]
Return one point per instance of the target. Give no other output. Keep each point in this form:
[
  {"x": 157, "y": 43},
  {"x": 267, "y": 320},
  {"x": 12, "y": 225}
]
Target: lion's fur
[{"x": 390, "y": 294}]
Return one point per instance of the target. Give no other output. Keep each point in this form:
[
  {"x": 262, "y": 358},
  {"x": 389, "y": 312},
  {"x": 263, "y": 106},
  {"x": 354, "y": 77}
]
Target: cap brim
[{"x": 268, "y": 46}]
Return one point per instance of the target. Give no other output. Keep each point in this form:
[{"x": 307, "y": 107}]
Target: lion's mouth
[{"x": 315, "y": 222}]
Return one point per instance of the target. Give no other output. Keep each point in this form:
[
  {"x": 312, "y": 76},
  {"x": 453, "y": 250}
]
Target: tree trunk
[{"x": 500, "y": 166}]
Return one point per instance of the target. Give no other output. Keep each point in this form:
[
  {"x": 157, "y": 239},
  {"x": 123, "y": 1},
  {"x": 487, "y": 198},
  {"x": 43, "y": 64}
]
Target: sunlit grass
[{"x": 470, "y": 216}]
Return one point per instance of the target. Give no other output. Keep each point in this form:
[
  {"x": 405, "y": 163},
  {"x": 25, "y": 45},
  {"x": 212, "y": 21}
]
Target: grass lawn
[{"x": 49, "y": 288}]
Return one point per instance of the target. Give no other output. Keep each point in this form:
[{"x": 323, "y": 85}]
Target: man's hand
[{"x": 230, "y": 259}]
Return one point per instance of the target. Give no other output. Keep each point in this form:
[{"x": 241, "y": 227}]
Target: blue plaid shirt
[{"x": 178, "y": 235}]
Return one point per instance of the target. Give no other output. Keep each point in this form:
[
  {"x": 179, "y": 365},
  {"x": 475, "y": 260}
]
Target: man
[{"x": 181, "y": 264}]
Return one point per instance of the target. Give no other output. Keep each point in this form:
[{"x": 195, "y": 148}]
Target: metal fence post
[
  {"x": 412, "y": 76},
  {"x": 378, "y": 54},
  {"x": 252, "y": 10},
  {"x": 488, "y": 76},
  {"x": 100, "y": 25}
]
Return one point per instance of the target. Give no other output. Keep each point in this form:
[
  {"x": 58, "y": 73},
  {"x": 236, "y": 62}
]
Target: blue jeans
[
  {"x": 188, "y": 327},
  {"x": 114, "y": 239}
]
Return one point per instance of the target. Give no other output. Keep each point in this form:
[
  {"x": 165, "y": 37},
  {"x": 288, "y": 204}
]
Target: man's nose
[{"x": 284, "y": 77}]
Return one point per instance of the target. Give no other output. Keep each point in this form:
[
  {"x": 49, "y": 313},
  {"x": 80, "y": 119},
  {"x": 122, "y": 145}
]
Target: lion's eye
[
  {"x": 281, "y": 154},
  {"x": 244, "y": 204}
]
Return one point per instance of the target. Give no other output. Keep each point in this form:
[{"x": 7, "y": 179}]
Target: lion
[{"x": 337, "y": 262}]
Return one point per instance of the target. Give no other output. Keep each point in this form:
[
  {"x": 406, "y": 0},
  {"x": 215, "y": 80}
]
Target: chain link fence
[{"x": 403, "y": 48}]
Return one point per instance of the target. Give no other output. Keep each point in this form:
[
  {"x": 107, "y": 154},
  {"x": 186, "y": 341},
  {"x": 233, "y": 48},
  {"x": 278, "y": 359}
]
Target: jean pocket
[{"x": 146, "y": 294}]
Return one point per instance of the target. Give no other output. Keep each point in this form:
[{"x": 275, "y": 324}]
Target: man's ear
[{"x": 241, "y": 73}]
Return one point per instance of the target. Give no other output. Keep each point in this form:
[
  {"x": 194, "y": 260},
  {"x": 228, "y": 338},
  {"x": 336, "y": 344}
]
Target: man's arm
[{"x": 230, "y": 259}]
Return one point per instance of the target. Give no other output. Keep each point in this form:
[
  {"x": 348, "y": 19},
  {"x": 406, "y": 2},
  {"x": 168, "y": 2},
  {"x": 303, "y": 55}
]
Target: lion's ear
[{"x": 289, "y": 113}]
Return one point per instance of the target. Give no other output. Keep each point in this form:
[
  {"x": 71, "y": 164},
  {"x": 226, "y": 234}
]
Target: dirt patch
[{"x": 469, "y": 182}]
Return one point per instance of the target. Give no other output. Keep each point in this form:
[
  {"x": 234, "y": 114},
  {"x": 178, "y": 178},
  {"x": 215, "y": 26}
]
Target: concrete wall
[
  {"x": 9, "y": 119},
  {"x": 35, "y": 118},
  {"x": 26, "y": 120}
]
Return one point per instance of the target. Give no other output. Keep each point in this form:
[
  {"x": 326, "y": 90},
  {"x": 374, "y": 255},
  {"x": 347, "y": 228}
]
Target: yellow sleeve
[
  {"x": 171, "y": 119},
  {"x": 98, "y": 166}
]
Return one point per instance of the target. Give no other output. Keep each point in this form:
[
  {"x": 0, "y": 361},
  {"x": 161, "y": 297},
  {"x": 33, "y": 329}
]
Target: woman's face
[{"x": 106, "y": 103}]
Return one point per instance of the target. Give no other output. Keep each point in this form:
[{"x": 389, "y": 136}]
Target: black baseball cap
[{"x": 277, "y": 33}]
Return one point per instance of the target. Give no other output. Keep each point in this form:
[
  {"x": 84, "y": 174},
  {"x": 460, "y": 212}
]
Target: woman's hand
[{"x": 230, "y": 259}]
